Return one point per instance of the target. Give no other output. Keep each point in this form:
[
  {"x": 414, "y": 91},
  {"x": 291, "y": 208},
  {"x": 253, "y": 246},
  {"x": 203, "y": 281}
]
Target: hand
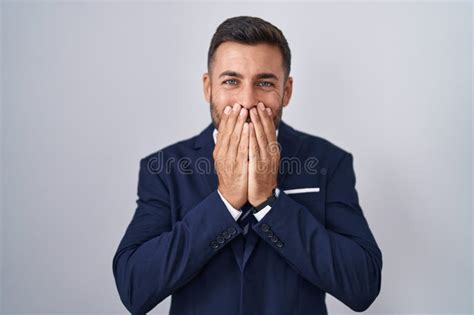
[
  {"x": 231, "y": 155},
  {"x": 264, "y": 155}
]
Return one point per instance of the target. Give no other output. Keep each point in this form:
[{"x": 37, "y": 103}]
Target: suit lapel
[
  {"x": 205, "y": 146},
  {"x": 289, "y": 142}
]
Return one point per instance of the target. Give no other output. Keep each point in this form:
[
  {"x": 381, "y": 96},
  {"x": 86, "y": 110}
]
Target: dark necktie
[{"x": 246, "y": 218}]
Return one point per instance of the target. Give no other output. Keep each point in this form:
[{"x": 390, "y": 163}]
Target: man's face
[{"x": 247, "y": 74}]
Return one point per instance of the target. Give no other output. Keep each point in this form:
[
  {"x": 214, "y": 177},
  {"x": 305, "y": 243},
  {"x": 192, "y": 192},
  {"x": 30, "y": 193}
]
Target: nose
[{"x": 247, "y": 97}]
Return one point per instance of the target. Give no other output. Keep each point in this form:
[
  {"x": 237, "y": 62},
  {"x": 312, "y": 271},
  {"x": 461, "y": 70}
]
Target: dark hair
[{"x": 250, "y": 30}]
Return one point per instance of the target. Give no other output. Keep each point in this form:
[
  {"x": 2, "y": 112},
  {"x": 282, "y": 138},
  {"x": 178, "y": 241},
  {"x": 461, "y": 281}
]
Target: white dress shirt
[{"x": 237, "y": 212}]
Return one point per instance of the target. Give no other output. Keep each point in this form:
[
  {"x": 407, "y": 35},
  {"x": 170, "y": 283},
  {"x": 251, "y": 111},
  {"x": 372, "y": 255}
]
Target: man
[{"x": 250, "y": 216}]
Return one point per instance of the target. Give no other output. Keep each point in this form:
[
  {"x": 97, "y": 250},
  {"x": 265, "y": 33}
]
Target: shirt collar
[{"x": 214, "y": 134}]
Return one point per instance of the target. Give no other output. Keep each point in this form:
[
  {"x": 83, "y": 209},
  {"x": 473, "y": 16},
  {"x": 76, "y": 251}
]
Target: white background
[{"x": 89, "y": 88}]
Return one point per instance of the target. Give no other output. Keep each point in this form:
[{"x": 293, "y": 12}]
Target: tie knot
[
  {"x": 246, "y": 207},
  {"x": 245, "y": 218}
]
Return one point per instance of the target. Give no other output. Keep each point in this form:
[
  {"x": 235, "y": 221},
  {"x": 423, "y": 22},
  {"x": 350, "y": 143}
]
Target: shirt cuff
[
  {"x": 234, "y": 212},
  {"x": 259, "y": 215}
]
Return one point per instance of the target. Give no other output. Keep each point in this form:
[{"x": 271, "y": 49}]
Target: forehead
[{"x": 247, "y": 59}]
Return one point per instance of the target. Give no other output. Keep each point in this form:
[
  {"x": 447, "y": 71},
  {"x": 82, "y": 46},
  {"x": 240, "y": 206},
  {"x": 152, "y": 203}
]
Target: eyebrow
[{"x": 264, "y": 75}]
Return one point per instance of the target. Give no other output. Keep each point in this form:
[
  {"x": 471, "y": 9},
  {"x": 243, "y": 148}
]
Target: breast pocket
[{"x": 312, "y": 198}]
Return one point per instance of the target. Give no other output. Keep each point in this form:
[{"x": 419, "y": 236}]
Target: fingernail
[
  {"x": 269, "y": 111},
  {"x": 242, "y": 112},
  {"x": 227, "y": 109},
  {"x": 260, "y": 105},
  {"x": 236, "y": 107}
]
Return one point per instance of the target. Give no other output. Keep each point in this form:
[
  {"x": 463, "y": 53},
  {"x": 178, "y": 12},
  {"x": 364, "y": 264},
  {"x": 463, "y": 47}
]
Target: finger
[
  {"x": 264, "y": 114},
  {"x": 259, "y": 134},
  {"x": 220, "y": 130},
  {"x": 254, "y": 149},
  {"x": 243, "y": 152},
  {"x": 224, "y": 117},
  {"x": 236, "y": 134},
  {"x": 273, "y": 148},
  {"x": 226, "y": 133}
]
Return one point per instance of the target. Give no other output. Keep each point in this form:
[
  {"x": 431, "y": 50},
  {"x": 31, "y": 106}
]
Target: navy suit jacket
[{"x": 182, "y": 240}]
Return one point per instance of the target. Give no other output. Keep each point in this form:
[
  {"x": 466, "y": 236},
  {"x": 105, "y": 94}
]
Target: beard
[{"x": 216, "y": 115}]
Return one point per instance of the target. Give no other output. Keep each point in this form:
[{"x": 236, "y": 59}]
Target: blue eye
[
  {"x": 269, "y": 83},
  {"x": 261, "y": 83},
  {"x": 228, "y": 81}
]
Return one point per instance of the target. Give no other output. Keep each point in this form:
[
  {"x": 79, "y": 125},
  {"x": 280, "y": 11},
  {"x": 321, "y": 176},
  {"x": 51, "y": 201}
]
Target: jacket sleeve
[
  {"x": 156, "y": 257},
  {"x": 236, "y": 213},
  {"x": 341, "y": 257}
]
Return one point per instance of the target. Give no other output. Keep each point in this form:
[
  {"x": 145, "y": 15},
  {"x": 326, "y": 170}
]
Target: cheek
[
  {"x": 276, "y": 95},
  {"x": 222, "y": 98},
  {"x": 271, "y": 99}
]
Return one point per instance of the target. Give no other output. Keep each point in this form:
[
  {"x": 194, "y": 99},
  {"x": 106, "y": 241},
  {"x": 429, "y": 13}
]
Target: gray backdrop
[{"x": 89, "y": 88}]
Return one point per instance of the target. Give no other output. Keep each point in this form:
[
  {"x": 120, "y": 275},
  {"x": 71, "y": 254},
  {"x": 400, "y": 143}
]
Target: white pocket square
[{"x": 301, "y": 190}]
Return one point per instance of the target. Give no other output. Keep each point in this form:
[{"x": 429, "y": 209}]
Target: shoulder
[
  {"x": 327, "y": 154},
  {"x": 322, "y": 146},
  {"x": 162, "y": 162},
  {"x": 176, "y": 150}
]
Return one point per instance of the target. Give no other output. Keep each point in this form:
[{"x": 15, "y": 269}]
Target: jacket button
[
  {"x": 226, "y": 234},
  {"x": 220, "y": 239},
  {"x": 274, "y": 239},
  {"x": 269, "y": 233},
  {"x": 214, "y": 244},
  {"x": 279, "y": 244},
  {"x": 232, "y": 230},
  {"x": 265, "y": 227}
]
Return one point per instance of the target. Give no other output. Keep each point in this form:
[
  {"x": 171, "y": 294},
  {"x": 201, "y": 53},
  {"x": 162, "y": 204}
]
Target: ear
[
  {"x": 288, "y": 89},
  {"x": 206, "y": 85}
]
